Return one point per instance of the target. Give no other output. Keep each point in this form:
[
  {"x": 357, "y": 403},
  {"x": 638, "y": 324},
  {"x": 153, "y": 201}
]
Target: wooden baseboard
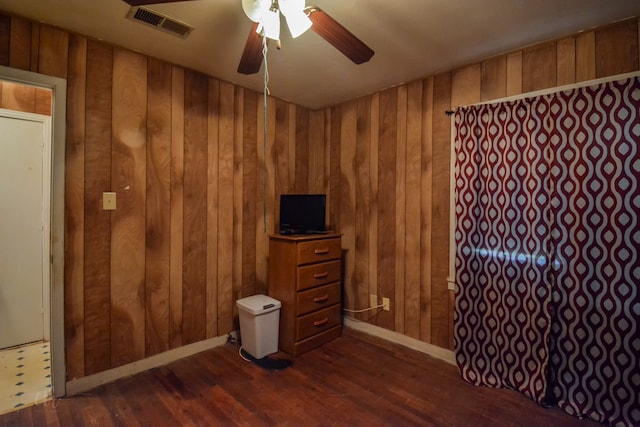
[
  {"x": 80, "y": 385},
  {"x": 412, "y": 343}
]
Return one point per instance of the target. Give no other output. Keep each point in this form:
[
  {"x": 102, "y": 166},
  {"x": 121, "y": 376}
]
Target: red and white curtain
[{"x": 548, "y": 248}]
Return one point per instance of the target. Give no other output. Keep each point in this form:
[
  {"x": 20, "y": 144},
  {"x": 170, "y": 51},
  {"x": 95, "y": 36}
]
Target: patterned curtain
[
  {"x": 595, "y": 344},
  {"x": 503, "y": 210},
  {"x": 547, "y": 248}
]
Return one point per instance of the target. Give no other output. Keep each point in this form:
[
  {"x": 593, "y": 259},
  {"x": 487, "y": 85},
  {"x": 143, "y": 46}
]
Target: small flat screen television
[{"x": 302, "y": 213}]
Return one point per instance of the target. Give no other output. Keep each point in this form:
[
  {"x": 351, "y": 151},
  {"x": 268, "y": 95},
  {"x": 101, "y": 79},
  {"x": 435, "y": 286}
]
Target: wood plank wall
[
  {"x": 27, "y": 99},
  {"x": 184, "y": 152},
  {"x": 165, "y": 269},
  {"x": 394, "y": 166}
]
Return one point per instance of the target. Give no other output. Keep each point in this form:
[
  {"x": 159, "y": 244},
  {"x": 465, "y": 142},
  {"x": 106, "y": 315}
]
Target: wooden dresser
[{"x": 305, "y": 274}]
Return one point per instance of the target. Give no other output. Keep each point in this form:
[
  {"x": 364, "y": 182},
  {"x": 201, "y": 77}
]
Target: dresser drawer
[
  {"x": 316, "y": 340},
  {"x": 318, "y": 274},
  {"x": 319, "y": 250},
  {"x": 317, "y": 298},
  {"x": 317, "y": 322}
]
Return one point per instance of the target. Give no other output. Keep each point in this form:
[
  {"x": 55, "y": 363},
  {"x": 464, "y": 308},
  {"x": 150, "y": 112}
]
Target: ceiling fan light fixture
[
  {"x": 297, "y": 20},
  {"x": 255, "y": 9},
  {"x": 298, "y": 23},
  {"x": 270, "y": 23}
]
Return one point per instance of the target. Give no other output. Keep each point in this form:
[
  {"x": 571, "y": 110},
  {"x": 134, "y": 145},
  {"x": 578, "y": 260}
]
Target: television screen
[{"x": 302, "y": 213}]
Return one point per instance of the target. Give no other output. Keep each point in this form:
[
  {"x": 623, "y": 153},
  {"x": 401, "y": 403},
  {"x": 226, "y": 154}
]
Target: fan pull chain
[{"x": 264, "y": 139}]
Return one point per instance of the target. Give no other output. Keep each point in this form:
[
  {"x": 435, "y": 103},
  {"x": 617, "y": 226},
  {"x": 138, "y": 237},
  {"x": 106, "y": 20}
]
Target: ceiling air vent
[{"x": 159, "y": 21}]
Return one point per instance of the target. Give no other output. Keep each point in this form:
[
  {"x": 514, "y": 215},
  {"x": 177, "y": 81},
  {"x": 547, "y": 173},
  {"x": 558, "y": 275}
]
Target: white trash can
[{"x": 259, "y": 323}]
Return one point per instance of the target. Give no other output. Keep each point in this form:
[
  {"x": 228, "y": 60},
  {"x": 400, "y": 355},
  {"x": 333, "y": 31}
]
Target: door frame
[
  {"x": 58, "y": 88},
  {"x": 45, "y": 282}
]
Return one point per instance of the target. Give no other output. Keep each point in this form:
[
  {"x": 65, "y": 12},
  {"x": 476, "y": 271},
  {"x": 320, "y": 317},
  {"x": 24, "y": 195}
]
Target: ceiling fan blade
[
  {"x": 341, "y": 38},
  {"x": 251, "y": 58},
  {"x": 146, "y": 2}
]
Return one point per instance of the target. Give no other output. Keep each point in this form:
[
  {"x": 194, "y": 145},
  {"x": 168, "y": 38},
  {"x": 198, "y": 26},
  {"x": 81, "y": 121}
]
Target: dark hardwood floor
[{"x": 356, "y": 380}]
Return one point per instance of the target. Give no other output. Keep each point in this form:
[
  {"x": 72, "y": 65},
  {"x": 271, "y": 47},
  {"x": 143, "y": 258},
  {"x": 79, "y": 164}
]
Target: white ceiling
[{"x": 412, "y": 38}]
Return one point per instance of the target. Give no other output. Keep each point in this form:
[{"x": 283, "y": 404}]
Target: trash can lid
[{"x": 258, "y": 304}]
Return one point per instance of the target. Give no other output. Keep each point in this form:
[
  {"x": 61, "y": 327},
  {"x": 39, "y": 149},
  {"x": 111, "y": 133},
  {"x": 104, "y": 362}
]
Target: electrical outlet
[
  {"x": 385, "y": 304},
  {"x": 373, "y": 300}
]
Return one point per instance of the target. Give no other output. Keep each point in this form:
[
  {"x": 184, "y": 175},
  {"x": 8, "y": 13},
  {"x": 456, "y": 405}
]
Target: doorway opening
[
  {"x": 25, "y": 183},
  {"x": 36, "y": 104}
]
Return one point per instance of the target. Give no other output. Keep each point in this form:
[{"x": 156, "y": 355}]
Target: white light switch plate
[{"x": 109, "y": 201}]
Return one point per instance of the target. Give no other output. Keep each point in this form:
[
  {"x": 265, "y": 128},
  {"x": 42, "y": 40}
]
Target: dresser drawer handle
[
  {"x": 322, "y": 298},
  {"x": 321, "y": 275},
  {"x": 321, "y": 322},
  {"x": 322, "y": 251}
]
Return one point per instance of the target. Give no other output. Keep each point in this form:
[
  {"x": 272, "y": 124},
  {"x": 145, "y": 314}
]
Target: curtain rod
[{"x": 555, "y": 89}]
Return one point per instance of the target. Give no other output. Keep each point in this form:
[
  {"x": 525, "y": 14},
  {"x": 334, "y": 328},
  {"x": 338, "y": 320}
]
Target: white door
[{"x": 22, "y": 229}]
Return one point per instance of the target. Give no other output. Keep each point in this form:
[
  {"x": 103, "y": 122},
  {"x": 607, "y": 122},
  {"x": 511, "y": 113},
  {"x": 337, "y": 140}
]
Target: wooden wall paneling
[
  {"x": 362, "y": 207},
  {"x": 410, "y": 307},
  {"x": 281, "y": 151},
  {"x": 97, "y": 224},
  {"x": 302, "y": 147},
  {"x": 387, "y": 220},
  {"x": 325, "y": 118},
  {"x": 194, "y": 260},
  {"x": 128, "y": 180},
  {"x": 225, "y": 208},
  {"x": 617, "y": 48},
  {"x": 494, "y": 78},
  {"x": 586, "y": 56},
  {"x": 53, "y": 48},
  {"x": 334, "y": 139},
  {"x": 272, "y": 164},
  {"x": 264, "y": 199},
  {"x": 291, "y": 146},
  {"x": 262, "y": 196},
  {"x": 238, "y": 208},
  {"x": 158, "y": 208},
  {"x": 323, "y": 175},
  {"x": 374, "y": 200},
  {"x": 287, "y": 124},
  {"x": 74, "y": 214},
  {"x": 317, "y": 164},
  {"x": 466, "y": 86},
  {"x": 5, "y": 38},
  {"x": 347, "y": 214},
  {"x": 514, "y": 73},
  {"x": 43, "y": 103},
  {"x": 35, "y": 46},
  {"x": 396, "y": 304},
  {"x": 539, "y": 67},
  {"x": 1, "y": 83},
  {"x": 442, "y": 89},
  {"x": 18, "y": 97},
  {"x": 20, "y": 48},
  {"x": 566, "y": 61},
  {"x": 177, "y": 207},
  {"x": 251, "y": 199},
  {"x": 426, "y": 211},
  {"x": 213, "y": 207}
]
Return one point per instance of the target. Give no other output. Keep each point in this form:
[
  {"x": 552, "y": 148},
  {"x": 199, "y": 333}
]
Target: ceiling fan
[{"x": 265, "y": 15}]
